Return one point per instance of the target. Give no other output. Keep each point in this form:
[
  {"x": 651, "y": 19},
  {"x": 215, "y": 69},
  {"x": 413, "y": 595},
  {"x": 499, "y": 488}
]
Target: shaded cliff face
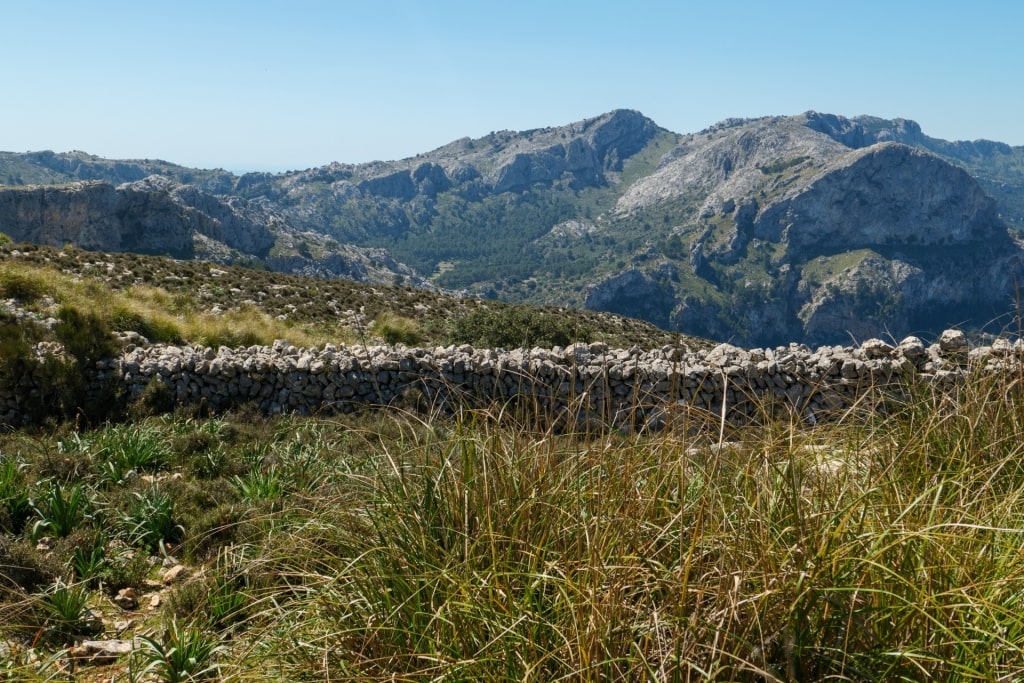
[
  {"x": 149, "y": 216},
  {"x": 96, "y": 215},
  {"x": 155, "y": 215}
]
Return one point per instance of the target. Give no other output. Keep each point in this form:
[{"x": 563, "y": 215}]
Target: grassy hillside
[
  {"x": 192, "y": 301},
  {"x": 404, "y": 546}
]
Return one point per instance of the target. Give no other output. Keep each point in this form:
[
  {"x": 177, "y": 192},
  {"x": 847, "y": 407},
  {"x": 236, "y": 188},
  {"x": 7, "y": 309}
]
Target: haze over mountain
[{"x": 807, "y": 228}]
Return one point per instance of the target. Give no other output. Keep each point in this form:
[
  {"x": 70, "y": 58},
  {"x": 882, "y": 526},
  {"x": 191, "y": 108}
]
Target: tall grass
[
  {"x": 871, "y": 549},
  {"x": 878, "y": 546},
  {"x": 155, "y": 313}
]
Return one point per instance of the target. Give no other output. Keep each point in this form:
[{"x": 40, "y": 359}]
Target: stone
[
  {"x": 100, "y": 652},
  {"x": 912, "y": 349},
  {"x": 952, "y": 342},
  {"x": 172, "y": 574},
  {"x": 876, "y": 348},
  {"x": 126, "y": 599}
]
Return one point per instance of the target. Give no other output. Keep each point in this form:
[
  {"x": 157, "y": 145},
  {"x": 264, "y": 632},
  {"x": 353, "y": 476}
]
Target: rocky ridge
[
  {"x": 811, "y": 228},
  {"x": 156, "y": 215}
]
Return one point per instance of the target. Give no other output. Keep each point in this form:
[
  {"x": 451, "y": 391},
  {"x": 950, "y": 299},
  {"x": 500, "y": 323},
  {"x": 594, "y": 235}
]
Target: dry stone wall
[{"x": 594, "y": 384}]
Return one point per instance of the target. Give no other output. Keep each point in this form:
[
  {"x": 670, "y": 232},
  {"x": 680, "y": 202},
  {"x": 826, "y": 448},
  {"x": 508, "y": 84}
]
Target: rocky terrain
[
  {"x": 157, "y": 215},
  {"x": 814, "y": 228}
]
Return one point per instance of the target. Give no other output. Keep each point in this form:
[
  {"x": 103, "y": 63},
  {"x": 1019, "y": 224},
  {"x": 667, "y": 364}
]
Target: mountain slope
[{"x": 809, "y": 228}]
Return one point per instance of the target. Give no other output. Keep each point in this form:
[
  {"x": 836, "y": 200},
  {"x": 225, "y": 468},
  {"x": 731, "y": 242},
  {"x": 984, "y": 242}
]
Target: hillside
[
  {"x": 176, "y": 301},
  {"x": 810, "y": 228},
  {"x": 497, "y": 541}
]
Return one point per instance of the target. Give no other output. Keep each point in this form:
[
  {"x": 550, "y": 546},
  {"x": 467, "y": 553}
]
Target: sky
[{"x": 275, "y": 86}]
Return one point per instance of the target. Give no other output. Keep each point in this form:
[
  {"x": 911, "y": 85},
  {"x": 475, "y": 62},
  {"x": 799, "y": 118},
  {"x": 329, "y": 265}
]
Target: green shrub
[
  {"x": 58, "y": 383},
  {"x": 396, "y": 329},
  {"x": 25, "y": 570},
  {"x": 16, "y": 340},
  {"x": 124, "y": 568},
  {"x": 515, "y": 327},
  {"x": 26, "y": 287},
  {"x": 84, "y": 335},
  {"x": 155, "y": 330},
  {"x": 156, "y": 399}
]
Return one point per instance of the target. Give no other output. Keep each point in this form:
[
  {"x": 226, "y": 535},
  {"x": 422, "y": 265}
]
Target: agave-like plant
[
  {"x": 122, "y": 451},
  {"x": 14, "y": 497},
  {"x": 66, "y": 612},
  {"x": 184, "y": 653},
  {"x": 60, "y": 510},
  {"x": 152, "y": 520}
]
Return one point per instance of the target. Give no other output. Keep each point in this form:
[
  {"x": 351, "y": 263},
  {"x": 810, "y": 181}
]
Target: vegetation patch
[
  {"x": 385, "y": 546},
  {"x": 511, "y": 328}
]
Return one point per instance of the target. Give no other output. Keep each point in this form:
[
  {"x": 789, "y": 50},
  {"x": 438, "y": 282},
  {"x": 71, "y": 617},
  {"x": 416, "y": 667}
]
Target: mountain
[
  {"x": 808, "y": 228},
  {"x": 157, "y": 215}
]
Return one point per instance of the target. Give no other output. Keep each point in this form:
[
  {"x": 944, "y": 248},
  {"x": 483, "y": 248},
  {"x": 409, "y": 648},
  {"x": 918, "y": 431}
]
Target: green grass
[
  {"x": 823, "y": 268},
  {"x": 384, "y": 546}
]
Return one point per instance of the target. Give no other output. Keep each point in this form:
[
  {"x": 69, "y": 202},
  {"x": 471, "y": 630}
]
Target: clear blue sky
[{"x": 262, "y": 85}]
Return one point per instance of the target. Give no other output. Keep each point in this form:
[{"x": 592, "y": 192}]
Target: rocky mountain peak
[{"x": 864, "y": 131}]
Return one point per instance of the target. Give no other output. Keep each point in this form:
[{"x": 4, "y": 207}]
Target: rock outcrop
[
  {"x": 885, "y": 196},
  {"x": 96, "y": 215}
]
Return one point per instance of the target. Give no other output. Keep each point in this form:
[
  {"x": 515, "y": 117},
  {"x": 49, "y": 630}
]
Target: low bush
[
  {"x": 156, "y": 329},
  {"x": 84, "y": 335},
  {"x": 27, "y": 286},
  {"x": 396, "y": 329},
  {"x": 515, "y": 327}
]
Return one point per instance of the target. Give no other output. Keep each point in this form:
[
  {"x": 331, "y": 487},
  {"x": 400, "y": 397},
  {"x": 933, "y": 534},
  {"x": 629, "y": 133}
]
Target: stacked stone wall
[{"x": 592, "y": 383}]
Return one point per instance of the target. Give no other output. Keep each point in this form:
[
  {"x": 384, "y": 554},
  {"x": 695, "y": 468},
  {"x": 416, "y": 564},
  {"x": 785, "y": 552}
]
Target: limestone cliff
[{"x": 96, "y": 215}]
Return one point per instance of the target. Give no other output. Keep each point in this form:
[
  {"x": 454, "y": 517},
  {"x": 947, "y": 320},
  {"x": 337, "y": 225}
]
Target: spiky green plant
[
  {"x": 260, "y": 483},
  {"x": 60, "y": 510},
  {"x": 65, "y": 612},
  {"x": 151, "y": 520},
  {"x": 182, "y": 654},
  {"x": 125, "y": 450},
  {"x": 89, "y": 562},
  {"x": 14, "y": 497}
]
